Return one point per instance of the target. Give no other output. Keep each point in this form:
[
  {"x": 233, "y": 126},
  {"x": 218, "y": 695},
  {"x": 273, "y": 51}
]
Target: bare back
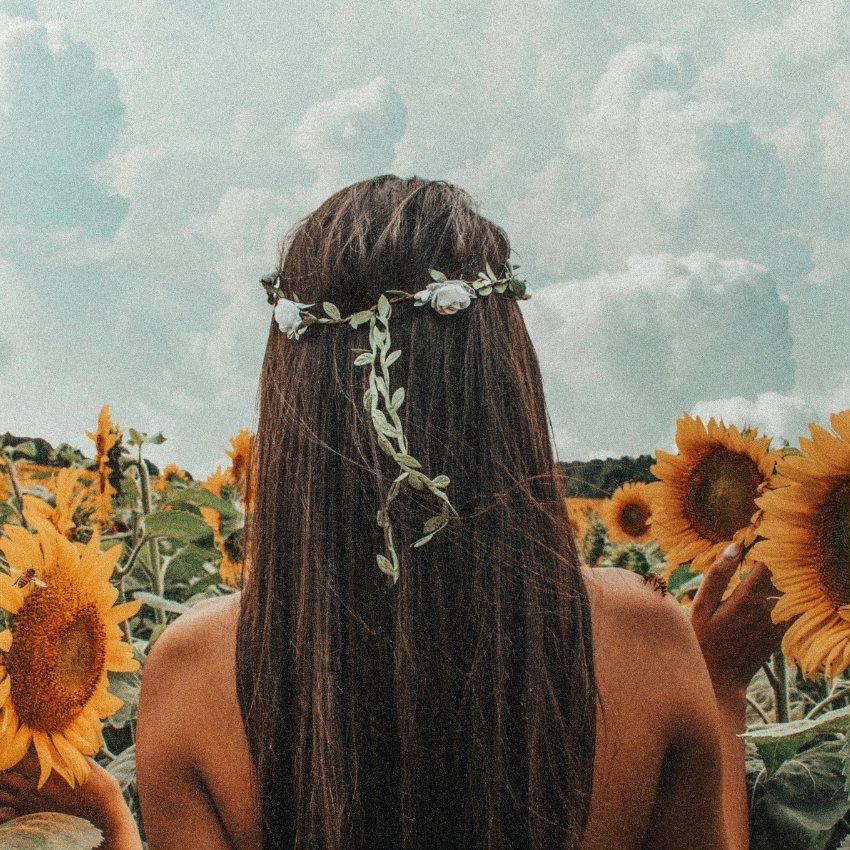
[{"x": 657, "y": 779}]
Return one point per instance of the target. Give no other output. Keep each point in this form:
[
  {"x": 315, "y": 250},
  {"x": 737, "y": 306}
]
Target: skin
[{"x": 669, "y": 772}]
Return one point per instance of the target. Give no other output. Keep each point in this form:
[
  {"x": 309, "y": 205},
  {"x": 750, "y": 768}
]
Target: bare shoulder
[
  {"x": 657, "y": 753},
  {"x": 190, "y": 742},
  {"x": 622, "y": 601},
  {"x": 209, "y": 623},
  {"x": 193, "y": 659},
  {"x": 644, "y": 636}
]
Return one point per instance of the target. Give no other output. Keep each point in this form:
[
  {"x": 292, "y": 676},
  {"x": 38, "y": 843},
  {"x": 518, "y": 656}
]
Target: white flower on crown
[
  {"x": 447, "y": 297},
  {"x": 288, "y": 316}
]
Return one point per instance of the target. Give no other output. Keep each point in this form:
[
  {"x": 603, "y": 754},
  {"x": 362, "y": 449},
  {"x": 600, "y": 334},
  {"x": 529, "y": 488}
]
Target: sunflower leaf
[
  {"x": 777, "y": 742},
  {"x": 126, "y": 687},
  {"x": 801, "y": 804},
  {"x": 124, "y": 767},
  {"x": 154, "y": 601},
  {"x": 49, "y": 831},
  {"x": 181, "y": 526},
  {"x": 202, "y": 498},
  {"x": 189, "y": 562}
]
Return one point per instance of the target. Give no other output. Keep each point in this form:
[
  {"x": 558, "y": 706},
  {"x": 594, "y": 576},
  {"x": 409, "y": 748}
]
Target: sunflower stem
[
  {"x": 780, "y": 676},
  {"x": 157, "y": 572},
  {"x": 758, "y": 709},
  {"x": 834, "y": 696},
  {"x": 18, "y": 505},
  {"x": 774, "y": 682}
]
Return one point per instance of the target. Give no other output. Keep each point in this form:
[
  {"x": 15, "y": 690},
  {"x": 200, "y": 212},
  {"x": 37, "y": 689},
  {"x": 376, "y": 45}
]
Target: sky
[{"x": 674, "y": 176}]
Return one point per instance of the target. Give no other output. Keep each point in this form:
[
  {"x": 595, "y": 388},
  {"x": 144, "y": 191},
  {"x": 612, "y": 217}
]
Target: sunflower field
[{"x": 98, "y": 556}]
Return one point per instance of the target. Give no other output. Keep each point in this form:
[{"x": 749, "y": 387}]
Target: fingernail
[{"x": 732, "y": 550}]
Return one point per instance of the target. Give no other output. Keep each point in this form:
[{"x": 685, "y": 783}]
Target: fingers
[{"x": 716, "y": 581}]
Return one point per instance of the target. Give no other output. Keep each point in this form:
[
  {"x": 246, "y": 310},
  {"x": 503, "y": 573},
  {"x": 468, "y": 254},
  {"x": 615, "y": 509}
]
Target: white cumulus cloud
[
  {"x": 353, "y": 135},
  {"x": 783, "y": 417},
  {"x": 59, "y": 115},
  {"x": 624, "y": 354}
]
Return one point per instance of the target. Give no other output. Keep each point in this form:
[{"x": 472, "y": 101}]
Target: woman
[{"x": 495, "y": 695}]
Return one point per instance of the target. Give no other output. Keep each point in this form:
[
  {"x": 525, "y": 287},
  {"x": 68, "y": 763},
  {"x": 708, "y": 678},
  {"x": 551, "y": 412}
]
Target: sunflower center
[
  {"x": 833, "y": 544},
  {"x": 57, "y": 658},
  {"x": 633, "y": 519},
  {"x": 720, "y": 495}
]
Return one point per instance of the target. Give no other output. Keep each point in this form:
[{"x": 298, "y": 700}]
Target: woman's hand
[
  {"x": 736, "y": 634},
  {"x": 98, "y": 800}
]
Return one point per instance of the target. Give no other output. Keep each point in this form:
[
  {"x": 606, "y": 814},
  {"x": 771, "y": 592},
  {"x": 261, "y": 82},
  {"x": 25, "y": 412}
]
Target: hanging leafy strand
[{"x": 382, "y": 402}]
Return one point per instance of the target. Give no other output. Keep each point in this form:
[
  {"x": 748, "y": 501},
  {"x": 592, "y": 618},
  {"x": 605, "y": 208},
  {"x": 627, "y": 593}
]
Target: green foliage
[
  {"x": 777, "y": 742},
  {"x": 49, "y": 831},
  {"x": 803, "y": 804},
  {"x": 595, "y": 479},
  {"x": 181, "y": 526},
  {"x": 593, "y": 542}
]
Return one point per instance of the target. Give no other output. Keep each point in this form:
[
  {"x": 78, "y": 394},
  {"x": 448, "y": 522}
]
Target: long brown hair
[{"x": 455, "y": 709}]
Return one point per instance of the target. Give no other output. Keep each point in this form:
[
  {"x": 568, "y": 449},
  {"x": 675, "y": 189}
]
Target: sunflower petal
[
  {"x": 105, "y": 703},
  {"x": 119, "y": 657},
  {"x": 15, "y": 747},
  {"x": 78, "y": 768}
]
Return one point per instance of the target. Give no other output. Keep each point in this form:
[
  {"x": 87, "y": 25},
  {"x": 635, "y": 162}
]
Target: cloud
[
  {"x": 592, "y": 132},
  {"x": 783, "y": 417},
  {"x": 624, "y": 354},
  {"x": 655, "y": 166},
  {"x": 59, "y": 115},
  {"x": 353, "y": 135}
]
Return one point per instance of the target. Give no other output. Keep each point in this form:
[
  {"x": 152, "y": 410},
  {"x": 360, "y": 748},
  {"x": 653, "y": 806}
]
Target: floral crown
[{"x": 446, "y": 297}]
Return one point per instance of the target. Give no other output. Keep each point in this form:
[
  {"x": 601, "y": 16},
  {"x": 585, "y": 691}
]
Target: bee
[
  {"x": 657, "y": 582},
  {"x": 26, "y": 577}
]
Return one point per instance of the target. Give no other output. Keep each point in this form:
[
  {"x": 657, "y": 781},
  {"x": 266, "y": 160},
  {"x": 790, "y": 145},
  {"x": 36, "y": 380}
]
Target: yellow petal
[
  {"x": 15, "y": 747},
  {"x": 21, "y": 549},
  {"x": 77, "y": 736},
  {"x": 5, "y": 640},
  {"x": 122, "y": 612},
  {"x": 119, "y": 657},
  {"x": 79, "y": 768},
  {"x": 11, "y": 597},
  {"x": 105, "y": 703},
  {"x": 45, "y": 758}
]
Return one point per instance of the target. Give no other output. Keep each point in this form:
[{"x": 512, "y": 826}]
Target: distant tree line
[
  {"x": 598, "y": 479},
  {"x": 592, "y": 479}
]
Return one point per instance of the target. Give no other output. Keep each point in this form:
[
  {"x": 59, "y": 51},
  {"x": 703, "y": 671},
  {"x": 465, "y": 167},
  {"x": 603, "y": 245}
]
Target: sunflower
[
  {"x": 807, "y": 549},
  {"x": 229, "y": 570},
  {"x": 107, "y": 440},
  {"x": 240, "y": 459},
  {"x": 627, "y": 513},
  {"x": 64, "y": 638},
  {"x": 706, "y": 495},
  {"x": 171, "y": 470},
  {"x": 72, "y": 489},
  {"x": 580, "y": 510}
]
